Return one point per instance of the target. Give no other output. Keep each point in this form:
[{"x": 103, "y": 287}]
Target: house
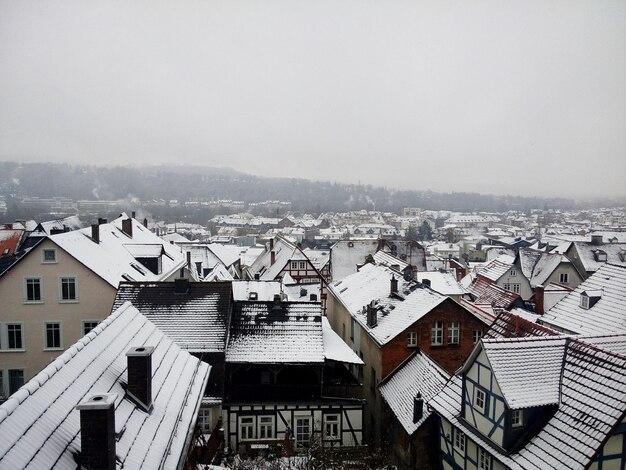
[
  {"x": 196, "y": 316},
  {"x": 536, "y": 403},
  {"x": 554, "y": 268},
  {"x": 64, "y": 285},
  {"x": 347, "y": 255},
  {"x": 409, "y": 424},
  {"x": 123, "y": 396},
  {"x": 385, "y": 318},
  {"x": 589, "y": 256},
  {"x": 504, "y": 272},
  {"x": 596, "y": 306},
  {"x": 286, "y": 381}
]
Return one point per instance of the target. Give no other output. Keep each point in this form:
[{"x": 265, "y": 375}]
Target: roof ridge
[{"x": 7, "y": 408}]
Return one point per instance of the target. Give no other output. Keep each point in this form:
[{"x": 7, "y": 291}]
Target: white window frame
[
  {"x": 477, "y": 335},
  {"x": 46, "y": 346},
  {"x": 484, "y": 459},
  {"x": 411, "y": 339},
  {"x": 4, "y": 337},
  {"x": 294, "y": 265},
  {"x": 459, "y": 440},
  {"x": 302, "y": 265},
  {"x": 43, "y": 256},
  {"x": 454, "y": 332},
  {"x": 26, "y": 282},
  {"x": 564, "y": 278},
  {"x": 584, "y": 302},
  {"x": 436, "y": 334},
  {"x": 331, "y": 427},
  {"x": 61, "y": 282},
  {"x": 513, "y": 272},
  {"x": 205, "y": 419},
  {"x": 83, "y": 324},
  {"x": 480, "y": 396},
  {"x": 300, "y": 442},
  {"x": 517, "y": 418},
  {"x": 246, "y": 428},
  {"x": 267, "y": 427}
]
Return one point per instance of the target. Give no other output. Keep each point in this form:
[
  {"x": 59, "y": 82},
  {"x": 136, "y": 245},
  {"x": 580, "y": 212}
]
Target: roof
[
  {"x": 419, "y": 374},
  {"x": 290, "y": 334},
  {"x": 10, "y": 240},
  {"x": 484, "y": 312},
  {"x": 591, "y": 402},
  {"x": 443, "y": 282},
  {"x": 345, "y": 255},
  {"x": 513, "y": 325},
  {"x": 335, "y": 349},
  {"x": 545, "y": 266},
  {"x": 387, "y": 259},
  {"x": 113, "y": 258},
  {"x": 395, "y": 313},
  {"x": 486, "y": 292},
  {"x": 607, "y": 315},
  {"x": 284, "y": 252},
  {"x": 196, "y": 320},
  {"x": 40, "y": 426},
  {"x": 586, "y": 252}
]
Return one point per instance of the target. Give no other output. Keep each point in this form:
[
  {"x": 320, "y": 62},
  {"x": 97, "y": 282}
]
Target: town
[{"x": 358, "y": 339}]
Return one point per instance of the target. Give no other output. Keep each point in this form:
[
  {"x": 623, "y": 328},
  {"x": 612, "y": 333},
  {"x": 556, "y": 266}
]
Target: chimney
[
  {"x": 257, "y": 276},
  {"x": 271, "y": 244},
  {"x": 272, "y": 257},
  {"x": 97, "y": 431},
  {"x": 127, "y": 227},
  {"x": 372, "y": 321},
  {"x": 132, "y": 215},
  {"x": 394, "y": 285},
  {"x": 140, "y": 375},
  {"x": 418, "y": 407},
  {"x": 277, "y": 306},
  {"x": 95, "y": 233},
  {"x": 426, "y": 282},
  {"x": 313, "y": 297},
  {"x": 253, "y": 296},
  {"x": 189, "y": 260},
  {"x": 181, "y": 286},
  {"x": 539, "y": 302},
  {"x": 101, "y": 221},
  {"x": 596, "y": 240},
  {"x": 145, "y": 222}
]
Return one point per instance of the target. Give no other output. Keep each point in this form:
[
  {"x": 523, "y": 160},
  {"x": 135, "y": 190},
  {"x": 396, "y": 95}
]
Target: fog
[{"x": 524, "y": 98}]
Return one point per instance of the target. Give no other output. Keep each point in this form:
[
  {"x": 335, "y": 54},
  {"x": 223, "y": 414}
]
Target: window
[
  {"x": 266, "y": 427},
  {"x": 68, "y": 289},
  {"x": 411, "y": 340},
  {"x": 484, "y": 459},
  {"x": 459, "y": 440},
  {"x": 303, "y": 431},
  {"x": 33, "y": 289},
  {"x": 564, "y": 278},
  {"x": 331, "y": 427},
  {"x": 513, "y": 272},
  {"x": 479, "y": 399},
  {"x": 517, "y": 418},
  {"x": 512, "y": 288},
  {"x": 294, "y": 265},
  {"x": 302, "y": 265},
  {"x": 584, "y": 302},
  {"x": 14, "y": 336},
  {"x": 204, "y": 419},
  {"x": 3, "y": 395},
  {"x": 89, "y": 325},
  {"x": 48, "y": 256},
  {"x": 246, "y": 428},
  {"x": 16, "y": 380},
  {"x": 436, "y": 334},
  {"x": 53, "y": 336},
  {"x": 453, "y": 332},
  {"x": 476, "y": 335}
]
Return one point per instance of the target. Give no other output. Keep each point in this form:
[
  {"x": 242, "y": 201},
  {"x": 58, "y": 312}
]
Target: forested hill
[{"x": 183, "y": 183}]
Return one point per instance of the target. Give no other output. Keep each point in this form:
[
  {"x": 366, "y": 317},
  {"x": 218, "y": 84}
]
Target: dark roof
[
  {"x": 197, "y": 319},
  {"x": 487, "y": 292},
  {"x": 509, "y": 325},
  {"x": 8, "y": 261}
]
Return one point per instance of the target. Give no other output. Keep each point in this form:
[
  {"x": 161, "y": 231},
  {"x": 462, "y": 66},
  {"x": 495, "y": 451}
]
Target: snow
[{"x": 334, "y": 347}]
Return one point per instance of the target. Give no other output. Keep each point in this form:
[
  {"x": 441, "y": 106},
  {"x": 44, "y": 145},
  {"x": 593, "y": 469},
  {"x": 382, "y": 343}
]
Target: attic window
[
  {"x": 589, "y": 298},
  {"x": 600, "y": 256}
]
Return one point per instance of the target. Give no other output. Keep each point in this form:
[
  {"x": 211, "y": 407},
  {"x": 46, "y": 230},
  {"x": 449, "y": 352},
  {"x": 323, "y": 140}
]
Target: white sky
[{"x": 495, "y": 96}]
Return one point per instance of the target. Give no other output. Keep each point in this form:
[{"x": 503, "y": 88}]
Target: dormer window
[
  {"x": 600, "y": 256},
  {"x": 589, "y": 298},
  {"x": 584, "y": 302}
]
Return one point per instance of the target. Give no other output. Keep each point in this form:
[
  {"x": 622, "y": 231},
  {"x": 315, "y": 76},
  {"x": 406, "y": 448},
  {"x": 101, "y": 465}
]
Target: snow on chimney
[
  {"x": 139, "y": 361},
  {"x": 97, "y": 431}
]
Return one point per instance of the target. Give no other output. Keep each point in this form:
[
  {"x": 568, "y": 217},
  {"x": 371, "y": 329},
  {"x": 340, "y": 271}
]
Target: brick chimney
[
  {"x": 394, "y": 285},
  {"x": 372, "y": 320},
  {"x": 101, "y": 221},
  {"x": 418, "y": 407},
  {"x": 272, "y": 257},
  {"x": 127, "y": 227},
  {"x": 95, "y": 233},
  {"x": 426, "y": 282},
  {"x": 145, "y": 222},
  {"x": 271, "y": 244},
  {"x": 539, "y": 300},
  {"x": 132, "y": 215},
  {"x": 140, "y": 375},
  {"x": 97, "y": 431}
]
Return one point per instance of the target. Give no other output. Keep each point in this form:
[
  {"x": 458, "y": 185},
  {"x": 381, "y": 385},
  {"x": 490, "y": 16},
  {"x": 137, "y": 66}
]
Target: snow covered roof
[
  {"x": 607, "y": 315},
  {"x": 443, "y": 282},
  {"x": 197, "y": 319},
  {"x": 113, "y": 257},
  {"x": 263, "y": 291},
  {"x": 496, "y": 268},
  {"x": 419, "y": 374},
  {"x": 394, "y": 312},
  {"x": 545, "y": 266},
  {"x": 386, "y": 259},
  {"x": 283, "y": 250},
  {"x": 271, "y": 333},
  {"x": 587, "y": 253},
  {"x": 486, "y": 292},
  {"x": 517, "y": 324},
  {"x": 40, "y": 427},
  {"x": 528, "y": 259},
  {"x": 484, "y": 312},
  {"x": 345, "y": 255},
  {"x": 335, "y": 349},
  {"x": 591, "y": 402}
]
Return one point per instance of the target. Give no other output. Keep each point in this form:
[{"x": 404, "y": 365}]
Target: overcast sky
[{"x": 519, "y": 97}]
